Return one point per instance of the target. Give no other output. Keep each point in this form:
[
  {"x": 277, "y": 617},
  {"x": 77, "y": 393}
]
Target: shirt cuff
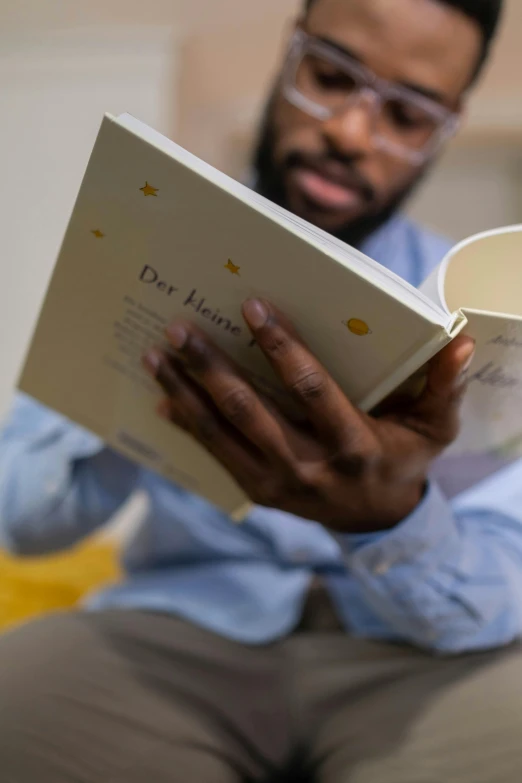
[{"x": 414, "y": 539}]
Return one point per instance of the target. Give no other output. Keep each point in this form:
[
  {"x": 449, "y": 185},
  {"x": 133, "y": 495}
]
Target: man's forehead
[{"x": 424, "y": 42}]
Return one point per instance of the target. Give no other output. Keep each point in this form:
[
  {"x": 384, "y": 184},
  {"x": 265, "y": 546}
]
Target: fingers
[
  {"x": 234, "y": 401},
  {"x": 438, "y": 407},
  {"x": 189, "y": 409},
  {"x": 231, "y": 395},
  {"x": 325, "y": 404},
  {"x": 446, "y": 373}
]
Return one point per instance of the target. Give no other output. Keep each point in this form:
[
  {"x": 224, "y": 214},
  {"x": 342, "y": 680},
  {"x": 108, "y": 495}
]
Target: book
[{"x": 157, "y": 233}]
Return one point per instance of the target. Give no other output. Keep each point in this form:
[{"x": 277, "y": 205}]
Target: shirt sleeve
[
  {"x": 58, "y": 482},
  {"x": 449, "y": 577}
]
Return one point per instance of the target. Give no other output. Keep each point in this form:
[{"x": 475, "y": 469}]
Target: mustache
[{"x": 337, "y": 167}]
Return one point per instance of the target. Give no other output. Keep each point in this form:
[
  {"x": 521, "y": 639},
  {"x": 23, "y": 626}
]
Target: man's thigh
[
  {"x": 386, "y": 715},
  {"x": 133, "y": 697}
]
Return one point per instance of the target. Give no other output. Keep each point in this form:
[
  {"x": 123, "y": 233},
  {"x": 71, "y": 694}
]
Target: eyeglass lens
[{"x": 400, "y": 120}]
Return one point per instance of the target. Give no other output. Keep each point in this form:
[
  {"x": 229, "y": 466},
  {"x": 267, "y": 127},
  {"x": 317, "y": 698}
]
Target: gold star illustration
[
  {"x": 148, "y": 190},
  {"x": 97, "y": 233},
  {"x": 232, "y": 268}
]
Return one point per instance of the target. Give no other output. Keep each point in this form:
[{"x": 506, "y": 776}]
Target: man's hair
[{"x": 486, "y": 13}]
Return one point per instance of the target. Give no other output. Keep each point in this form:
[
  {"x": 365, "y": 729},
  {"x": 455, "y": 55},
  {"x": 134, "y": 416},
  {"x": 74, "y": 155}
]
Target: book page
[
  {"x": 492, "y": 411},
  {"x": 481, "y": 273},
  {"x": 433, "y": 286},
  {"x": 485, "y": 273},
  {"x": 483, "y": 277}
]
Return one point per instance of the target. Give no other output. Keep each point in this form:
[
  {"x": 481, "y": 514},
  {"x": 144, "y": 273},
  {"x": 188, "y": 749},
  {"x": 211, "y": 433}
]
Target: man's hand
[{"x": 350, "y": 471}]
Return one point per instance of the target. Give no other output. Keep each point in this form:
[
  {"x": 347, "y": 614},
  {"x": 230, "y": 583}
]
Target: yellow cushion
[{"x": 33, "y": 586}]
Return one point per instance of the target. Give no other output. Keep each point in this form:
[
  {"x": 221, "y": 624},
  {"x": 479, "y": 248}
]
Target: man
[{"x": 305, "y": 643}]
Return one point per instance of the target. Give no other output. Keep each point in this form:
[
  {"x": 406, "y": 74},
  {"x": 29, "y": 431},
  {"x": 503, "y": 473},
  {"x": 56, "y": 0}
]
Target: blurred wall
[
  {"x": 477, "y": 185},
  {"x": 55, "y": 86}
]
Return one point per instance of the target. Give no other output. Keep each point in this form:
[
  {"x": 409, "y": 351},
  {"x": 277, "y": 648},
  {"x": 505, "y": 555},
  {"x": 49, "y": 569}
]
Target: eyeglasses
[{"x": 325, "y": 83}]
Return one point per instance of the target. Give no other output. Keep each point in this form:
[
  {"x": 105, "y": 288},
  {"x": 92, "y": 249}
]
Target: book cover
[{"x": 149, "y": 239}]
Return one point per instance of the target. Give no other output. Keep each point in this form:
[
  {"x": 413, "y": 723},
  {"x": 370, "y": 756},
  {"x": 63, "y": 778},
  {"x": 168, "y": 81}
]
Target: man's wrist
[
  {"x": 409, "y": 499},
  {"x": 418, "y": 526},
  {"x": 383, "y": 513}
]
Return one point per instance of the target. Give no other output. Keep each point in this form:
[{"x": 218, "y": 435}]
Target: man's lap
[{"x": 129, "y": 696}]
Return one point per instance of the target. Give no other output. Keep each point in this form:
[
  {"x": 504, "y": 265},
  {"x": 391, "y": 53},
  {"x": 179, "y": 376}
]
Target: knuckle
[
  {"x": 237, "y": 406},
  {"x": 310, "y": 385},
  {"x": 354, "y": 460},
  {"x": 276, "y": 344},
  {"x": 311, "y": 478},
  {"x": 350, "y": 465}
]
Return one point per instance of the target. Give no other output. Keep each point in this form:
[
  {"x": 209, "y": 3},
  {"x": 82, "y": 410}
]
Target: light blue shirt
[{"x": 448, "y": 578}]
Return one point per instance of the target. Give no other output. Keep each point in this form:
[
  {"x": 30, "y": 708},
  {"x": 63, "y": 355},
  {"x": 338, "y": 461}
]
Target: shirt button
[{"x": 381, "y": 569}]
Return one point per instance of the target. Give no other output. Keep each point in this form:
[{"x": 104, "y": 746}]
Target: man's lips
[{"x": 326, "y": 191}]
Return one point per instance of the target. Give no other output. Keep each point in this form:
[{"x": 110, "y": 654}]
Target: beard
[{"x": 270, "y": 183}]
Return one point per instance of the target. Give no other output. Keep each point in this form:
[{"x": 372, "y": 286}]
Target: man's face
[{"x": 331, "y": 172}]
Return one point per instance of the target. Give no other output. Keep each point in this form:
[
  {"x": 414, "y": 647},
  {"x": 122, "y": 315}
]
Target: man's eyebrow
[
  {"x": 339, "y": 48},
  {"x": 427, "y": 92}
]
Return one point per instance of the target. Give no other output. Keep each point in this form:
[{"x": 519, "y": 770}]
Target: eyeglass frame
[{"x": 367, "y": 83}]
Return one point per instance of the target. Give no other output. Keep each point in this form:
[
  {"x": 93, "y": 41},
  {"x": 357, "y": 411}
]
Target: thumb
[
  {"x": 437, "y": 409},
  {"x": 447, "y": 371}
]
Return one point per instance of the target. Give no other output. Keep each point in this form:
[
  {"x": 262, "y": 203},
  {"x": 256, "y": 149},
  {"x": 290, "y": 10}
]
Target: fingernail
[
  {"x": 152, "y": 361},
  {"x": 177, "y": 335},
  {"x": 255, "y": 313},
  {"x": 467, "y": 364}
]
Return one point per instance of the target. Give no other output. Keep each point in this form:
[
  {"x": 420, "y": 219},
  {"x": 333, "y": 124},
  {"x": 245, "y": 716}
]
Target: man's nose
[{"x": 351, "y": 131}]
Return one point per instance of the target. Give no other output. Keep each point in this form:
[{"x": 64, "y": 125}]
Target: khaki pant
[{"x": 130, "y": 697}]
